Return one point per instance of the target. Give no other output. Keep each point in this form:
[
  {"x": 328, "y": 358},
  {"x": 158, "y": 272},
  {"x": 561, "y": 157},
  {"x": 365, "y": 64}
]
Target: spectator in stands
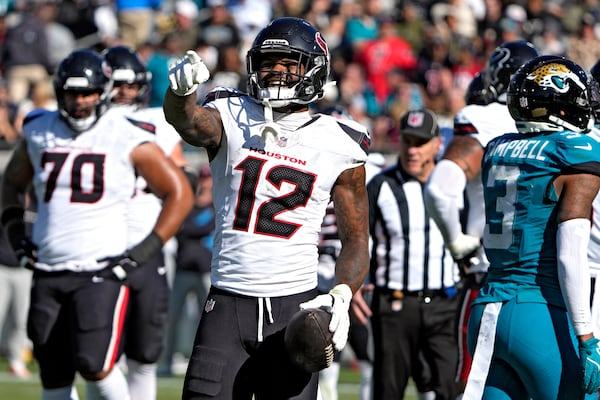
[
  {"x": 61, "y": 40},
  {"x": 465, "y": 64},
  {"x": 433, "y": 72},
  {"x": 381, "y": 55},
  {"x": 8, "y": 117},
  {"x": 79, "y": 16},
  {"x": 411, "y": 25},
  {"x": 325, "y": 16},
  {"x": 158, "y": 62},
  {"x": 356, "y": 93},
  {"x": 42, "y": 96},
  {"x": 489, "y": 26},
  {"x": 404, "y": 94},
  {"x": 249, "y": 16},
  {"x": 219, "y": 29},
  {"x": 230, "y": 70},
  {"x": 136, "y": 20},
  {"x": 539, "y": 15},
  {"x": 186, "y": 23},
  {"x": 25, "y": 55},
  {"x": 584, "y": 48},
  {"x": 363, "y": 26}
]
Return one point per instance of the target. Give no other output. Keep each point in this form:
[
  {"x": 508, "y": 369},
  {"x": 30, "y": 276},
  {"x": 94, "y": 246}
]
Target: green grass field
[{"x": 168, "y": 388}]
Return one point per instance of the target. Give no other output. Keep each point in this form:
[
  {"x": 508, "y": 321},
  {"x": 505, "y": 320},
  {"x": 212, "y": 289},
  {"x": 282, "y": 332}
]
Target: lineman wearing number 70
[
  {"x": 82, "y": 162},
  {"x": 275, "y": 169}
]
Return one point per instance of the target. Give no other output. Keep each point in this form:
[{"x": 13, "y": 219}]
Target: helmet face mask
[
  {"x": 292, "y": 44},
  {"x": 81, "y": 74},
  {"x": 550, "y": 93}
]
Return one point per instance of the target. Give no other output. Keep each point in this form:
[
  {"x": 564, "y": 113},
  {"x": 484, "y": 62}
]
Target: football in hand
[{"x": 308, "y": 340}]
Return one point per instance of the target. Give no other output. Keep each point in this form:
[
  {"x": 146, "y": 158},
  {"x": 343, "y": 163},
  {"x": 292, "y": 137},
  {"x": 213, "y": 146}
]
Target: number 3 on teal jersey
[{"x": 502, "y": 181}]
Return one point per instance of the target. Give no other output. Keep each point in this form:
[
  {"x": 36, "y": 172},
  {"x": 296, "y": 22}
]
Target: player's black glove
[
  {"x": 27, "y": 253},
  {"x": 118, "y": 267},
  {"x": 14, "y": 229},
  {"x": 121, "y": 266}
]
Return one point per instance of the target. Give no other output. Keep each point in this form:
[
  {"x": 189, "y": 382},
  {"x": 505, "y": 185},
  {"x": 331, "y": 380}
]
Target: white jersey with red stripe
[
  {"x": 270, "y": 192},
  {"x": 83, "y": 183},
  {"x": 145, "y": 207},
  {"x": 483, "y": 123}
]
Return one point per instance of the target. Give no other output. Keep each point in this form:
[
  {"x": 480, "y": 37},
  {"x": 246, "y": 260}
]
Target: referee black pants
[{"x": 414, "y": 336}]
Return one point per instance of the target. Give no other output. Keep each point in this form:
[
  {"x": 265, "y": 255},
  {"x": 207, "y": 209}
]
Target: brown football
[{"x": 308, "y": 340}]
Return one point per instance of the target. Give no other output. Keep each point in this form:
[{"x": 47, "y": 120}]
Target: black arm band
[
  {"x": 146, "y": 249},
  {"x": 11, "y": 213}
]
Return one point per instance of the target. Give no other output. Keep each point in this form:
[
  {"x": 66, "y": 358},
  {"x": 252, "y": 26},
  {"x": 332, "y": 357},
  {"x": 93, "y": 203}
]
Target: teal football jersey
[{"x": 518, "y": 172}]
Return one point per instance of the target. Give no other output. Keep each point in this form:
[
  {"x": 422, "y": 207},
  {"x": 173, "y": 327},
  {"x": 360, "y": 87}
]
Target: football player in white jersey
[
  {"x": 149, "y": 295},
  {"x": 459, "y": 170},
  {"x": 275, "y": 168},
  {"x": 82, "y": 162}
]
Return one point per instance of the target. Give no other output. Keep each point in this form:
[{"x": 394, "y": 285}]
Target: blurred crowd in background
[{"x": 388, "y": 56}]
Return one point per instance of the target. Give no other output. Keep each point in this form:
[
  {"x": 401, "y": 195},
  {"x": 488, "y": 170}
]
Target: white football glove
[
  {"x": 187, "y": 73},
  {"x": 463, "y": 246},
  {"x": 337, "y": 303}
]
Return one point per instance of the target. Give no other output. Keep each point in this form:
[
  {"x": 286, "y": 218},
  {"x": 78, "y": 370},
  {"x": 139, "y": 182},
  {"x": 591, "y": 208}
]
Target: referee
[{"x": 414, "y": 303}]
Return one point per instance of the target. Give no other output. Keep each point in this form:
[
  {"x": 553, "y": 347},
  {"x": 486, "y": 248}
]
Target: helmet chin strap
[{"x": 270, "y": 132}]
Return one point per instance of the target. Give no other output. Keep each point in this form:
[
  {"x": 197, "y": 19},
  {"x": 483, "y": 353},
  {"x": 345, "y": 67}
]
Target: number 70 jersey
[
  {"x": 271, "y": 191},
  {"x": 83, "y": 183},
  {"x": 518, "y": 173}
]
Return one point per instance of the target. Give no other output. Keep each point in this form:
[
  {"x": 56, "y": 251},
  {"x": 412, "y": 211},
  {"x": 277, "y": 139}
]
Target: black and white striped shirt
[{"x": 408, "y": 251}]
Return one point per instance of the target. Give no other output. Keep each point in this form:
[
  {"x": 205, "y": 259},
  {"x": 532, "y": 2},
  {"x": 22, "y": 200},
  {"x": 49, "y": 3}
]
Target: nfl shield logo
[
  {"x": 523, "y": 102},
  {"x": 210, "y": 304},
  {"x": 415, "y": 119},
  {"x": 282, "y": 142}
]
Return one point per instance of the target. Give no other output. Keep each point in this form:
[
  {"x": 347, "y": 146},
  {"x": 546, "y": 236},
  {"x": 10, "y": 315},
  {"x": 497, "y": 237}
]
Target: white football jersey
[
  {"x": 83, "y": 183},
  {"x": 145, "y": 207},
  {"x": 270, "y": 193},
  {"x": 483, "y": 123}
]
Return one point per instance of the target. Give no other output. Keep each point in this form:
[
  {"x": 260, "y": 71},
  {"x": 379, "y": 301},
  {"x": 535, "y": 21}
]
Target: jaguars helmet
[
  {"x": 504, "y": 61},
  {"x": 476, "y": 93},
  {"x": 128, "y": 68},
  {"x": 82, "y": 71},
  {"x": 550, "y": 93},
  {"x": 291, "y": 38}
]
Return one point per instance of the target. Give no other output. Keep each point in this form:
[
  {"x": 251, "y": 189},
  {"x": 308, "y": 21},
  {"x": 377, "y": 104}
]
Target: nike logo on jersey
[
  {"x": 97, "y": 279},
  {"x": 588, "y": 146}
]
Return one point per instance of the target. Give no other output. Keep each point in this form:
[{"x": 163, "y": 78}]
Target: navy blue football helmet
[
  {"x": 296, "y": 39},
  {"x": 504, "y": 61},
  {"x": 82, "y": 71}
]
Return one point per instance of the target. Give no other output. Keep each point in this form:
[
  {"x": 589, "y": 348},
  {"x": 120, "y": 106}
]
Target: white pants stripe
[{"x": 483, "y": 352}]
